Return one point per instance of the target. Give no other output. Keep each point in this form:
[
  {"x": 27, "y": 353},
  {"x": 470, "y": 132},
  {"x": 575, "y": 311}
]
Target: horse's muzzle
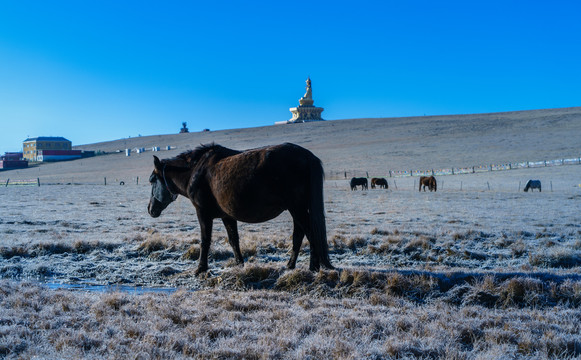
[{"x": 152, "y": 211}]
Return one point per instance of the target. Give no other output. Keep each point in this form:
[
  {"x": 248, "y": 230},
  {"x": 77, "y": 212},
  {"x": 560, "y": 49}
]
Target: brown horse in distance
[
  {"x": 428, "y": 181},
  {"x": 381, "y": 182},
  {"x": 251, "y": 186}
]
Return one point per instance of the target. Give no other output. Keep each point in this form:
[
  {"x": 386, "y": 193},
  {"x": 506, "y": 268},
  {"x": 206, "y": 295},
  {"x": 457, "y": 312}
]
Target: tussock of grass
[
  {"x": 339, "y": 243},
  {"x": 221, "y": 254},
  {"x": 418, "y": 244},
  {"x": 297, "y": 280},
  {"x": 51, "y": 248},
  {"x": 518, "y": 248},
  {"x": 473, "y": 255},
  {"x": 248, "y": 277},
  {"x": 556, "y": 258},
  {"x": 248, "y": 252},
  {"x": 467, "y": 290},
  {"x": 356, "y": 242},
  {"x": 115, "y": 301},
  {"x": 152, "y": 244},
  {"x": 376, "y": 231},
  {"x": 193, "y": 253},
  {"x": 84, "y": 247},
  {"x": 8, "y": 252},
  {"x": 55, "y": 248}
]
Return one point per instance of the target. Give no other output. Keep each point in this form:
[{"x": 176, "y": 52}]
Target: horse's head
[{"x": 161, "y": 195}]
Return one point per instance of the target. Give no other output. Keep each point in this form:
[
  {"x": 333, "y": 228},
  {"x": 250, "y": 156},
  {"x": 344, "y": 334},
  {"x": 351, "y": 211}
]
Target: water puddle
[{"x": 109, "y": 288}]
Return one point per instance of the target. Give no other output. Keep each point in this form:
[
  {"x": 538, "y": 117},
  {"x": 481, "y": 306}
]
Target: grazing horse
[
  {"x": 252, "y": 186},
  {"x": 358, "y": 181},
  {"x": 381, "y": 182},
  {"x": 533, "y": 184},
  {"x": 428, "y": 181}
]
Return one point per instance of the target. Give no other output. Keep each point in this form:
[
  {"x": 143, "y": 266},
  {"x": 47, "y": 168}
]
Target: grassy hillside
[{"x": 374, "y": 145}]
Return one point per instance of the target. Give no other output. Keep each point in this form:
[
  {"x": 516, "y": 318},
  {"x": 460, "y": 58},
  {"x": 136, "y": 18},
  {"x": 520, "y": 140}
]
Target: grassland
[{"x": 478, "y": 270}]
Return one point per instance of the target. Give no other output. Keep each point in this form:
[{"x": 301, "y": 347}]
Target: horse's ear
[{"x": 156, "y": 162}]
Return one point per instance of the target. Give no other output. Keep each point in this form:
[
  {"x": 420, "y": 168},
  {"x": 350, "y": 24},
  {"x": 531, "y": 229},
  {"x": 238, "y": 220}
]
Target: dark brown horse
[
  {"x": 381, "y": 182},
  {"x": 428, "y": 181},
  {"x": 358, "y": 182},
  {"x": 533, "y": 184},
  {"x": 251, "y": 186}
]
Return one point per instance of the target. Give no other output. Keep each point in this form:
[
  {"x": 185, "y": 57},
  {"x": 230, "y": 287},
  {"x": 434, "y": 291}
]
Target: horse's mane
[{"x": 191, "y": 157}]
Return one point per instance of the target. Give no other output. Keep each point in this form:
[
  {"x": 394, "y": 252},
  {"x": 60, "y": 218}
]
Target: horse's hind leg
[
  {"x": 233, "y": 238},
  {"x": 302, "y": 227},
  {"x": 298, "y": 236}
]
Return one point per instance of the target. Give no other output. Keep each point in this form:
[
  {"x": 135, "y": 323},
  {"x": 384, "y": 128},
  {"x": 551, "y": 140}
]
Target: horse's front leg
[
  {"x": 233, "y": 238},
  {"x": 206, "y": 227}
]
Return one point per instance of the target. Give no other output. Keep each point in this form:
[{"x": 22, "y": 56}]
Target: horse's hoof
[{"x": 201, "y": 270}]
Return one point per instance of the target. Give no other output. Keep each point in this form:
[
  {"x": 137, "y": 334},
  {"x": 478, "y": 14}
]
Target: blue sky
[{"x": 103, "y": 70}]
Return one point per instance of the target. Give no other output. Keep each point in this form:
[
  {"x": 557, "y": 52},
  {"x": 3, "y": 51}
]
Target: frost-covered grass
[
  {"x": 256, "y": 324},
  {"x": 452, "y": 274}
]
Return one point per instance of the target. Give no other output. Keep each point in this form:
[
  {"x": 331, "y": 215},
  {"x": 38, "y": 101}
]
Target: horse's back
[{"x": 258, "y": 184}]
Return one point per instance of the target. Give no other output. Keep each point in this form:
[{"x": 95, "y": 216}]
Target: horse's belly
[
  {"x": 250, "y": 199},
  {"x": 249, "y": 215},
  {"x": 257, "y": 219}
]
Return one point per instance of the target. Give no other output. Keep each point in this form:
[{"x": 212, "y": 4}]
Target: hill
[{"x": 375, "y": 145}]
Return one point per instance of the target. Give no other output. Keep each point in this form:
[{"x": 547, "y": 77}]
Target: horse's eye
[{"x": 152, "y": 179}]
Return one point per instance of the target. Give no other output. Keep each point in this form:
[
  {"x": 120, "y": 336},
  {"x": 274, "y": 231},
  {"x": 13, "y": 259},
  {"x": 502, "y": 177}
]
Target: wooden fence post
[
  {"x": 7, "y": 181},
  {"x": 137, "y": 181},
  {"x": 38, "y": 181},
  {"x": 105, "y": 180}
]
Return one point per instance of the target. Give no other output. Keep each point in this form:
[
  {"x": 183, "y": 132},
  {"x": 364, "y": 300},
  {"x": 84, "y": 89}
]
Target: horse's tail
[
  {"x": 435, "y": 183},
  {"x": 317, "y": 212}
]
